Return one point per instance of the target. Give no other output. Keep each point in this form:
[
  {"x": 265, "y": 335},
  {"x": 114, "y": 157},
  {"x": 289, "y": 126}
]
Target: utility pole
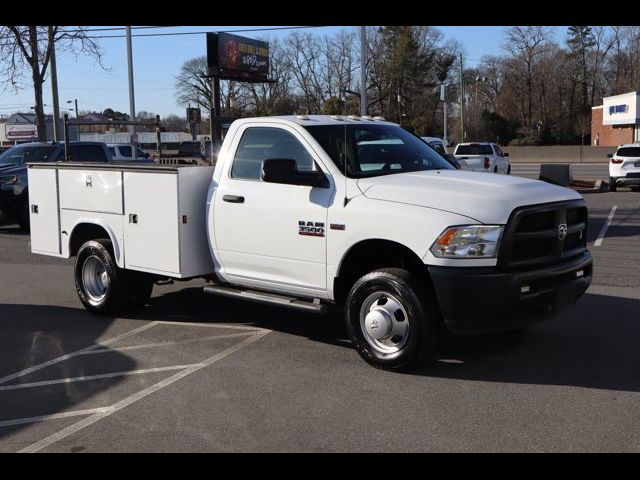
[
  {"x": 444, "y": 105},
  {"x": 363, "y": 71},
  {"x": 461, "y": 102},
  {"x": 54, "y": 90},
  {"x": 132, "y": 103}
]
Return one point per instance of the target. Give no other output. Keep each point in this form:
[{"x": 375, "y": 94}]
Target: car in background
[
  {"x": 123, "y": 152},
  {"x": 437, "y": 144},
  {"x": 482, "y": 157},
  {"x": 14, "y": 194},
  {"x": 440, "y": 146},
  {"x": 624, "y": 166}
]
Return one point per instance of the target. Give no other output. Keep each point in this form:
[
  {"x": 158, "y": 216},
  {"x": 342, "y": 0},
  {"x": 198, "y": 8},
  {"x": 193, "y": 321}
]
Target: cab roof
[{"x": 308, "y": 120}]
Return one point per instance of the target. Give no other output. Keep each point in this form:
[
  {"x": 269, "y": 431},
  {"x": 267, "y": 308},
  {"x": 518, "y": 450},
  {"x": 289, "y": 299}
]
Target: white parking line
[
  {"x": 86, "y": 378},
  {"x": 603, "y": 232},
  {"x": 62, "y": 358},
  {"x": 44, "y": 443},
  {"x": 53, "y": 416},
  {"x": 165, "y": 344},
  {"x": 211, "y": 325}
]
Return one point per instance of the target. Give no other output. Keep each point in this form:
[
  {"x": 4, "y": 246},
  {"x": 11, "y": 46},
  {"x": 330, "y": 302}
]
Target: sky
[{"x": 157, "y": 60}]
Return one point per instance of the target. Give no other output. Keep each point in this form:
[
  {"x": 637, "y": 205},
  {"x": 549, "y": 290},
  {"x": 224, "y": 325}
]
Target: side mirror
[
  {"x": 506, "y": 154},
  {"x": 609, "y": 155},
  {"x": 281, "y": 170}
]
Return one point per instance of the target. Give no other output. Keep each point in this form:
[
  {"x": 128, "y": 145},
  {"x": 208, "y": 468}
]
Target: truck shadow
[
  {"x": 192, "y": 305},
  {"x": 594, "y": 345},
  {"x": 33, "y": 334}
]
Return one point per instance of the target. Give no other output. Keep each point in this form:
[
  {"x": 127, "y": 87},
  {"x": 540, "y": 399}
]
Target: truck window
[
  {"x": 262, "y": 143},
  {"x": 474, "y": 149},
  {"x": 88, "y": 153},
  {"x": 125, "y": 151},
  {"x": 372, "y": 150},
  {"x": 498, "y": 151}
]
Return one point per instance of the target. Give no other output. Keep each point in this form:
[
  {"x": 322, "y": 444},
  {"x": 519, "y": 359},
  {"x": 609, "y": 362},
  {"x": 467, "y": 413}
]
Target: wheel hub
[
  {"x": 95, "y": 279},
  {"x": 378, "y": 324},
  {"x": 384, "y": 322}
]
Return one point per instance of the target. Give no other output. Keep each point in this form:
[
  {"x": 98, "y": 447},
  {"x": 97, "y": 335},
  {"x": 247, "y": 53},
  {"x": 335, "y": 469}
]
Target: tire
[
  {"x": 509, "y": 170},
  {"x": 410, "y": 337},
  {"x": 141, "y": 287},
  {"x": 612, "y": 184},
  {"x": 22, "y": 215},
  {"x": 102, "y": 287},
  {"x": 495, "y": 169}
]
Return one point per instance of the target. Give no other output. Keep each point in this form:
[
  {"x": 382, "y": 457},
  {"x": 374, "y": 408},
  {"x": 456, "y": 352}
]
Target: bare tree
[
  {"x": 28, "y": 49},
  {"x": 191, "y": 84},
  {"x": 525, "y": 44}
]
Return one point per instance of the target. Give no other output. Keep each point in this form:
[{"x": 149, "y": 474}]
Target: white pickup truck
[
  {"x": 482, "y": 157},
  {"x": 306, "y": 211}
]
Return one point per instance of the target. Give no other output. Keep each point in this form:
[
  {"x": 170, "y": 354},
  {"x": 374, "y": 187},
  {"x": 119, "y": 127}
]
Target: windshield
[
  {"x": 474, "y": 149},
  {"x": 21, "y": 155},
  {"x": 628, "y": 152},
  {"x": 372, "y": 150}
]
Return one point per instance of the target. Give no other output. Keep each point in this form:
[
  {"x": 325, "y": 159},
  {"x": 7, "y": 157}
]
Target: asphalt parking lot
[{"x": 192, "y": 372}]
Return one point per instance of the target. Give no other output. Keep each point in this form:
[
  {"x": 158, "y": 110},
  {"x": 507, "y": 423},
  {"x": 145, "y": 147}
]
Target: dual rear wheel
[{"x": 105, "y": 288}]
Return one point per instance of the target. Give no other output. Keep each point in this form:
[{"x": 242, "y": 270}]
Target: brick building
[{"x": 616, "y": 121}]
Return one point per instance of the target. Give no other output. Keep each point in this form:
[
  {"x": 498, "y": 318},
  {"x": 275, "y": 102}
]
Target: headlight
[
  {"x": 468, "y": 241},
  {"x": 11, "y": 179}
]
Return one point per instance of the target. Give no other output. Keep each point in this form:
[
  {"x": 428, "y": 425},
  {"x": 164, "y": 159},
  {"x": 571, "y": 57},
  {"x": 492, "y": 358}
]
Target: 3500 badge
[{"x": 311, "y": 229}]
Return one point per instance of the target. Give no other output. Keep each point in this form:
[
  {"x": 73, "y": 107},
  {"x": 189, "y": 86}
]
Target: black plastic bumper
[{"x": 483, "y": 300}]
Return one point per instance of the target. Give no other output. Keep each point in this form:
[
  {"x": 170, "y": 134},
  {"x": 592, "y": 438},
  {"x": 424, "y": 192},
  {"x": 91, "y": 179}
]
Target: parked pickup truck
[
  {"x": 309, "y": 211},
  {"x": 189, "y": 153},
  {"x": 482, "y": 157}
]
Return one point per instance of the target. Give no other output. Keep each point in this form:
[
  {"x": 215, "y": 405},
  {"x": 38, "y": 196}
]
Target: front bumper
[{"x": 485, "y": 299}]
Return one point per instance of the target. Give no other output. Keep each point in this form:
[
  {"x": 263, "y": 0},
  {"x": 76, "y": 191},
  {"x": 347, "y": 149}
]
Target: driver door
[{"x": 257, "y": 225}]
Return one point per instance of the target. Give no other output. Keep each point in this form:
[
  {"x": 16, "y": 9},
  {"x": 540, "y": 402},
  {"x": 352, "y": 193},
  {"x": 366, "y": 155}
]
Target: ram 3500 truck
[{"x": 306, "y": 211}]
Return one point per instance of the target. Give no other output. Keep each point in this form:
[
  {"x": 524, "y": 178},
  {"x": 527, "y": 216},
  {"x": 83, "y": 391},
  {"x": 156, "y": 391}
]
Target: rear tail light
[
  {"x": 616, "y": 160},
  {"x": 487, "y": 162}
]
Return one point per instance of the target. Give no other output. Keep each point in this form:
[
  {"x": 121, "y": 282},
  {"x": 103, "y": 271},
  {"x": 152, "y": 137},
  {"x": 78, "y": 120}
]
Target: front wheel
[
  {"x": 391, "y": 319},
  {"x": 102, "y": 287}
]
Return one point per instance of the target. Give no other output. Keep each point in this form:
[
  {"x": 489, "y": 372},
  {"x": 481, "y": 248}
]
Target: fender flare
[{"x": 117, "y": 251}]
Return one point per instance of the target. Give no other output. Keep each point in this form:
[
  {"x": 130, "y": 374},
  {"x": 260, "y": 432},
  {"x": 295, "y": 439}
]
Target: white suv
[{"x": 624, "y": 166}]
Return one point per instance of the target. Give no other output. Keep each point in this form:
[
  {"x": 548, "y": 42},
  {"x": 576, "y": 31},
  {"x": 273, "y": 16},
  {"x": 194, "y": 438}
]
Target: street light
[{"x": 76, "y": 102}]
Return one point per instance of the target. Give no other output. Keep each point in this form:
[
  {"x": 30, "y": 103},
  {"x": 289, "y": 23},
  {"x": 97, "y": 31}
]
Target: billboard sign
[
  {"x": 194, "y": 115},
  {"x": 620, "y": 109},
  {"x": 21, "y": 131},
  {"x": 237, "y": 58}
]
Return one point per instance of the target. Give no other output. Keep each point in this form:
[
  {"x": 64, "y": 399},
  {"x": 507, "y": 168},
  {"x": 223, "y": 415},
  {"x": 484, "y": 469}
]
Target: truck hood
[{"x": 484, "y": 197}]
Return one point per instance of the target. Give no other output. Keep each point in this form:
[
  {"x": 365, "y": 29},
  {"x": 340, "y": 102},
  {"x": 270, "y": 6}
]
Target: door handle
[
  {"x": 233, "y": 198},
  {"x": 133, "y": 218}
]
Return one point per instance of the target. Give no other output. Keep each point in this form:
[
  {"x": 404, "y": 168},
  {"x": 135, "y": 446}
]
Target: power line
[
  {"x": 175, "y": 33},
  {"x": 169, "y": 34}
]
